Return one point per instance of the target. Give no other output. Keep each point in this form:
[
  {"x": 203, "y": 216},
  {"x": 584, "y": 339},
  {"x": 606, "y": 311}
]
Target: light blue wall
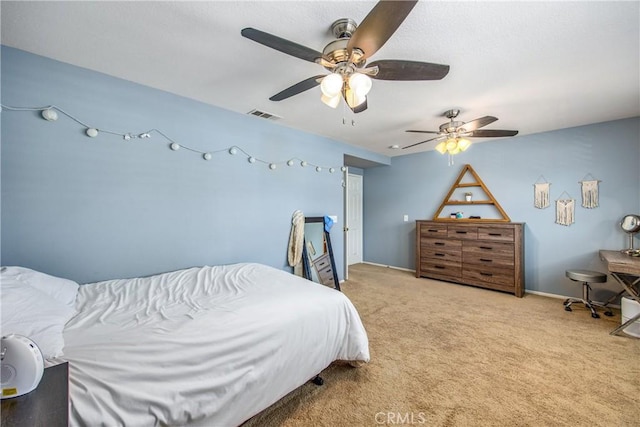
[
  {"x": 416, "y": 185},
  {"x": 91, "y": 209}
]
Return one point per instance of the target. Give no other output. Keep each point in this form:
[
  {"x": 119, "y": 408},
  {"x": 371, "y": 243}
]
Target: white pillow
[
  {"x": 63, "y": 290},
  {"x": 34, "y": 314}
]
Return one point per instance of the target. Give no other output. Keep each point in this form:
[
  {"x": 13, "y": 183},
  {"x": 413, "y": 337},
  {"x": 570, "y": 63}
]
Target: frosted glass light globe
[
  {"x": 360, "y": 84},
  {"x": 331, "y": 85}
]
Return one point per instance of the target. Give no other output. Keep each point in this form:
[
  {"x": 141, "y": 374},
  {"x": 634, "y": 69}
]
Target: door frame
[{"x": 346, "y": 220}]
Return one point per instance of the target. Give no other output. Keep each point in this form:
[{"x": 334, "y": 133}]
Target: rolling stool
[{"x": 586, "y": 277}]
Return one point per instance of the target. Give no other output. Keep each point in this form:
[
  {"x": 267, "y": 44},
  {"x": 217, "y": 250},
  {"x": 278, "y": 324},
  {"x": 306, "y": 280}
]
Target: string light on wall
[{"x": 50, "y": 113}]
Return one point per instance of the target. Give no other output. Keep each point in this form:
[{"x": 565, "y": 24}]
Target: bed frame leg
[{"x": 317, "y": 380}]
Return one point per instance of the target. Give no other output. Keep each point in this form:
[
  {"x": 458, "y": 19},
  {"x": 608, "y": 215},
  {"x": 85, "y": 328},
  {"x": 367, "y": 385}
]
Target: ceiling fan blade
[
  {"x": 477, "y": 123},
  {"x": 381, "y": 22},
  {"x": 422, "y": 131},
  {"x": 284, "y": 46},
  {"x": 297, "y": 88},
  {"x": 393, "y": 69},
  {"x": 491, "y": 133},
  {"x": 422, "y": 142}
]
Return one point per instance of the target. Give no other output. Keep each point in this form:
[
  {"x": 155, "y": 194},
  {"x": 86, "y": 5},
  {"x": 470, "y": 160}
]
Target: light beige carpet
[{"x": 444, "y": 354}]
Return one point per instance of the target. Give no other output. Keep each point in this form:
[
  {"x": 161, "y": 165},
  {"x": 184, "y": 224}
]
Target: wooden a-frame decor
[{"x": 476, "y": 183}]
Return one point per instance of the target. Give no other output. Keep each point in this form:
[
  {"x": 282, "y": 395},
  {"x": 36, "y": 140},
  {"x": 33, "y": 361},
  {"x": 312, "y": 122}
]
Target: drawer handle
[
  {"x": 432, "y": 230},
  {"x": 486, "y": 274},
  {"x": 437, "y": 254},
  {"x": 495, "y": 234},
  {"x": 439, "y": 243},
  {"x": 487, "y": 248},
  {"x": 440, "y": 267},
  {"x": 486, "y": 260},
  {"x": 461, "y": 232}
]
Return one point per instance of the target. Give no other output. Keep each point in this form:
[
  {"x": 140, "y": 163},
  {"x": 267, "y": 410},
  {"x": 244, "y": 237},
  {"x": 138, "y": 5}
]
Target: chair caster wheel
[
  {"x": 317, "y": 380},
  {"x": 608, "y": 313},
  {"x": 567, "y": 308},
  {"x": 595, "y": 315}
]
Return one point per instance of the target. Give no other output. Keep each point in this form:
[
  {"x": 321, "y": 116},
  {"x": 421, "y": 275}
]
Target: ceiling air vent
[{"x": 264, "y": 115}]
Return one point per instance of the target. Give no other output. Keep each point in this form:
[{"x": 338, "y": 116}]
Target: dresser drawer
[
  {"x": 441, "y": 268},
  {"x": 427, "y": 253},
  {"x": 326, "y": 277},
  {"x": 441, "y": 244},
  {"x": 433, "y": 230},
  {"x": 325, "y": 270},
  {"x": 322, "y": 262},
  {"x": 462, "y": 232},
  {"x": 489, "y": 253},
  {"x": 498, "y": 276},
  {"x": 503, "y": 234}
]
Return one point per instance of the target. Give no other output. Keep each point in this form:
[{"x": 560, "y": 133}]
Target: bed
[{"x": 200, "y": 346}]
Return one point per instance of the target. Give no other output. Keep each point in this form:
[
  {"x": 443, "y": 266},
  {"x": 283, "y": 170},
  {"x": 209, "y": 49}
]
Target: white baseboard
[
  {"x": 542, "y": 294},
  {"x": 389, "y": 266},
  {"x": 545, "y": 294}
]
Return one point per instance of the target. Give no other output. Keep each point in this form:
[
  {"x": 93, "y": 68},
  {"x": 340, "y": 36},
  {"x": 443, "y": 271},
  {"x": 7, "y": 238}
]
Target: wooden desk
[
  {"x": 46, "y": 406},
  {"x": 626, "y": 270}
]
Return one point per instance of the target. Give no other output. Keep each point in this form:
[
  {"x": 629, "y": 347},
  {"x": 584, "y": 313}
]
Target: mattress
[{"x": 205, "y": 345}]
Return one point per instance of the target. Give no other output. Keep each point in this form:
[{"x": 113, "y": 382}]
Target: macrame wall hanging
[
  {"x": 565, "y": 210},
  {"x": 589, "y": 192},
  {"x": 541, "y": 193}
]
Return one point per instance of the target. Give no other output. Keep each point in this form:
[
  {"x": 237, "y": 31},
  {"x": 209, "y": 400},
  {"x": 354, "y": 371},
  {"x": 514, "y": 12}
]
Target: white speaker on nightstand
[{"x": 21, "y": 365}]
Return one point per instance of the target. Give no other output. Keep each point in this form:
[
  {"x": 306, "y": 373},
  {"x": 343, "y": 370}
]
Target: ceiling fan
[
  {"x": 452, "y": 135},
  {"x": 346, "y": 57}
]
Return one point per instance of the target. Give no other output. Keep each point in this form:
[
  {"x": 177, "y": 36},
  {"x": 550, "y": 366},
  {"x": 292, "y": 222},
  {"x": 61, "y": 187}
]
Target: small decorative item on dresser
[{"x": 468, "y": 196}]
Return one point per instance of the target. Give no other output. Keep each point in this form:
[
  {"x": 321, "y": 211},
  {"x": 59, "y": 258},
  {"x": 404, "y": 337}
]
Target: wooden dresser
[{"x": 479, "y": 253}]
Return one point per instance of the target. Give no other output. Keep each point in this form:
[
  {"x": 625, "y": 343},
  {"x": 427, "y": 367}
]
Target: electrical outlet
[
  {"x": 334, "y": 218},
  {"x": 406, "y": 218}
]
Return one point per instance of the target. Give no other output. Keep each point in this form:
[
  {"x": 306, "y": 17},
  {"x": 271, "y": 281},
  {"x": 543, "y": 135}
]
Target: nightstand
[{"x": 47, "y": 405}]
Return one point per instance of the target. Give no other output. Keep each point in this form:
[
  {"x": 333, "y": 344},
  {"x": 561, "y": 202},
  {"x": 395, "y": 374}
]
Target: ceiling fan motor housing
[
  {"x": 451, "y": 114},
  {"x": 450, "y": 127},
  {"x": 343, "y": 28}
]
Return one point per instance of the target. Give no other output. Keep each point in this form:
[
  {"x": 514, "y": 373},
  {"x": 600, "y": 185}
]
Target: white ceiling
[{"x": 537, "y": 66}]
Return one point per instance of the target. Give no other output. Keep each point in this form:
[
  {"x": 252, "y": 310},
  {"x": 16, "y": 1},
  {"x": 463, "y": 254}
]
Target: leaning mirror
[
  {"x": 317, "y": 254},
  {"x": 630, "y": 224}
]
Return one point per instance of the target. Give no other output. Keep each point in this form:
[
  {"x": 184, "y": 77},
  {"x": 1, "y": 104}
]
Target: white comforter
[{"x": 210, "y": 345}]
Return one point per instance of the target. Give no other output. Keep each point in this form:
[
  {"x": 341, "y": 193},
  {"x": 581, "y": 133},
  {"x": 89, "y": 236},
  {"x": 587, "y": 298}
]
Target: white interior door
[{"x": 354, "y": 219}]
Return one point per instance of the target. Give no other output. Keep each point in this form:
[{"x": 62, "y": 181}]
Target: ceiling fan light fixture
[
  {"x": 360, "y": 83},
  {"x": 331, "y": 101},
  {"x": 331, "y": 85},
  {"x": 463, "y": 144},
  {"x": 451, "y": 144},
  {"x": 442, "y": 147},
  {"x": 353, "y": 98}
]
